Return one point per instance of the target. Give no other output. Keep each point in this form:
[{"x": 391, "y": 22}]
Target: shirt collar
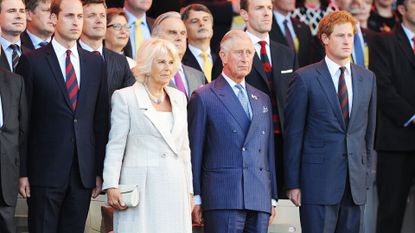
[
  {"x": 89, "y": 48},
  {"x": 198, "y": 51},
  {"x": 131, "y": 18},
  {"x": 233, "y": 83},
  {"x": 61, "y": 51},
  {"x": 5, "y": 43},
  {"x": 255, "y": 39},
  {"x": 280, "y": 18},
  {"x": 334, "y": 67},
  {"x": 35, "y": 39},
  {"x": 408, "y": 33}
]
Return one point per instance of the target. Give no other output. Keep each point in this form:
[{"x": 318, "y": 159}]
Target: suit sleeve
[
  {"x": 394, "y": 106},
  {"x": 197, "y": 129},
  {"x": 101, "y": 122},
  {"x": 370, "y": 131},
  {"x": 129, "y": 79},
  {"x": 295, "y": 120},
  {"x": 272, "y": 155},
  {"x": 24, "y": 69},
  {"x": 120, "y": 126}
]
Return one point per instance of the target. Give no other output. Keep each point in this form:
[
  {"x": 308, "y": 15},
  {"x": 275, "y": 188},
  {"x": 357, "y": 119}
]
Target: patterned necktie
[
  {"x": 138, "y": 34},
  {"x": 207, "y": 66},
  {"x": 179, "y": 83},
  {"x": 15, "y": 55},
  {"x": 358, "y": 51},
  {"x": 71, "y": 81},
  {"x": 268, "y": 70},
  {"x": 288, "y": 36},
  {"x": 343, "y": 96},
  {"x": 43, "y": 44},
  {"x": 243, "y": 99}
]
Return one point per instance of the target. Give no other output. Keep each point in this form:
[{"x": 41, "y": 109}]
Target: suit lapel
[
  {"x": 3, "y": 60},
  {"x": 357, "y": 91},
  {"x": 404, "y": 45},
  {"x": 326, "y": 83},
  {"x": 151, "y": 113},
  {"x": 257, "y": 109},
  {"x": 257, "y": 65},
  {"x": 57, "y": 74},
  {"x": 85, "y": 76},
  {"x": 5, "y": 103},
  {"x": 226, "y": 95}
]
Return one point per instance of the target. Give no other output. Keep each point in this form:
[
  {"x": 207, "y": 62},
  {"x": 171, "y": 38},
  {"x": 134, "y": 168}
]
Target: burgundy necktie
[
  {"x": 179, "y": 83},
  {"x": 71, "y": 81},
  {"x": 343, "y": 96}
]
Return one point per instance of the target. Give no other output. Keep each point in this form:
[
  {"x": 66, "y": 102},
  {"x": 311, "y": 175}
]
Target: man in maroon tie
[
  {"x": 169, "y": 26},
  {"x": 67, "y": 93},
  {"x": 329, "y": 134}
]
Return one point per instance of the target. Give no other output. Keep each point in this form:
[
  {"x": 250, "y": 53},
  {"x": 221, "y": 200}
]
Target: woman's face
[
  {"x": 162, "y": 69},
  {"x": 118, "y": 33}
]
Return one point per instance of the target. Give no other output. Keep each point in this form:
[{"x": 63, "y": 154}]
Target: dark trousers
[
  {"x": 62, "y": 209},
  {"x": 235, "y": 221},
  {"x": 7, "y": 223},
  {"x": 279, "y": 166},
  {"x": 395, "y": 175},
  {"x": 345, "y": 217}
]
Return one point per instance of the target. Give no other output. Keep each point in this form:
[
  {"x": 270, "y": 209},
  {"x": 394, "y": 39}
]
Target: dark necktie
[
  {"x": 71, "y": 81},
  {"x": 43, "y": 44},
  {"x": 413, "y": 48},
  {"x": 268, "y": 71},
  {"x": 358, "y": 50},
  {"x": 288, "y": 36},
  {"x": 15, "y": 55},
  {"x": 343, "y": 96}
]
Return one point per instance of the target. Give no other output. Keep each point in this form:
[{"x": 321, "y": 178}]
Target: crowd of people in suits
[{"x": 311, "y": 101}]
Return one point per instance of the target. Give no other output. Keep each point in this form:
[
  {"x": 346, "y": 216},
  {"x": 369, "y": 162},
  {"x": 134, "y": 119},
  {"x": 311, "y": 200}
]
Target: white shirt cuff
[
  {"x": 409, "y": 122},
  {"x": 197, "y": 199},
  {"x": 273, "y": 202}
]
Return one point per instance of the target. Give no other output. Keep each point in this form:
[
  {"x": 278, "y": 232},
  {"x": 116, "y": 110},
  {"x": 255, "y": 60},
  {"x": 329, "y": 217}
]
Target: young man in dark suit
[
  {"x": 13, "y": 130},
  {"x": 68, "y": 101},
  {"x": 93, "y": 33},
  {"x": 393, "y": 61}
]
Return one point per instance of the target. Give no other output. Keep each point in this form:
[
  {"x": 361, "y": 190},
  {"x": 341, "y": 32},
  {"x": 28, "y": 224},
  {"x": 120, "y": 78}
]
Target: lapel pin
[
  {"x": 254, "y": 97},
  {"x": 264, "y": 109}
]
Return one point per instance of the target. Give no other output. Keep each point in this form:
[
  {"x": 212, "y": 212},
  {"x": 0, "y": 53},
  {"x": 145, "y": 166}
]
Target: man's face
[
  {"x": 284, "y": 6},
  {"x": 12, "y": 17},
  {"x": 69, "y": 21},
  {"x": 384, "y": 3},
  {"x": 39, "y": 19},
  {"x": 365, "y": 8},
  {"x": 173, "y": 30},
  {"x": 408, "y": 13},
  {"x": 237, "y": 60},
  {"x": 139, "y": 5},
  {"x": 199, "y": 25},
  {"x": 95, "y": 21},
  {"x": 258, "y": 18},
  {"x": 339, "y": 44}
]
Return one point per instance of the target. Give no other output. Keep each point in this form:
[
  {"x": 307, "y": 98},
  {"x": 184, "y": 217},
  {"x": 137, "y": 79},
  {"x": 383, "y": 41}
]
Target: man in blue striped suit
[{"x": 231, "y": 139}]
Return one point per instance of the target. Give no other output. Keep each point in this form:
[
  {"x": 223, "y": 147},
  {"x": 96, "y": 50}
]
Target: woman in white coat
[{"x": 149, "y": 147}]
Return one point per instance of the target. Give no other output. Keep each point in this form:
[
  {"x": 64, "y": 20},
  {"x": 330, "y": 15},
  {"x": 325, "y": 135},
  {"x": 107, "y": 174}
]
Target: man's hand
[
  {"x": 24, "y": 187},
  {"x": 115, "y": 199},
  {"x": 197, "y": 214},
  {"x": 273, "y": 214},
  {"x": 98, "y": 187},
  {"x": 295, "y": 196}
]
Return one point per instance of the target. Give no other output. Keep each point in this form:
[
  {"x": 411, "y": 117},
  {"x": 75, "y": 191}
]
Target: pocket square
[
  {"x": 264, "y": 109},
  {"x": 286, "y": 71}
]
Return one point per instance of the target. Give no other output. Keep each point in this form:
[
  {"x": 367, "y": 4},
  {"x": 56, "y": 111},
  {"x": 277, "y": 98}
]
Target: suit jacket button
[
  {"x": 75, "y": 120},
  {"x": 234, "y": 131},
  {"x": 163, "y": 155},
  {"x": 263, "y": 132},
  {"x": 243, "y": 149}
]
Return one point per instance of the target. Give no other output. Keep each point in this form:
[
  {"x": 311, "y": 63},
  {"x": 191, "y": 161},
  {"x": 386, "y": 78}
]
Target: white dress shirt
[
  {"x": 144, "y": 28},
  {"x": 60, "y": 52},
  {"x": 197, "y": 53},
  {"x": 36, "y": 40},
  {"x": 90, "y": 49},
  {"x": 334, "y": 70},
  {"x": 8, "y": 52},
  {"x": 255, "y": 40}
]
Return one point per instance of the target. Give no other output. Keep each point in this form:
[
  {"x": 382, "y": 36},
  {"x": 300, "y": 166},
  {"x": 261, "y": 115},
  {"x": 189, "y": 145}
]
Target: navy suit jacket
[
  {"x": 232, "y": 157},
  {"x": 319, "y": 150},
  {"x": 56, "y": 132}
]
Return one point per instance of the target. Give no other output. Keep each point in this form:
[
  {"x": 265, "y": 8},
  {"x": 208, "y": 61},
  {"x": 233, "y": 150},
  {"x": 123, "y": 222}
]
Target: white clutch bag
[{"x": 130, "y": 194}]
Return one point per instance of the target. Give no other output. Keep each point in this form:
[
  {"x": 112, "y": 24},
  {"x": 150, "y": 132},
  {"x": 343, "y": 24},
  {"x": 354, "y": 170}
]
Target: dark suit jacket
[
  {"x": 56, "y": 132},
  {"x": 3, "y": 60},
  {"x": 26, "y": 41},
  {"x": 226, "y": 176},
  {"x": 284, "y": 63},
  {"x": 320, "y": 151},
  {"x": 393, "y": 61},
  {"x": 128, "y": 50},
  {"x": 12, "y": 133},
  {"x": 304, "y": 36}
]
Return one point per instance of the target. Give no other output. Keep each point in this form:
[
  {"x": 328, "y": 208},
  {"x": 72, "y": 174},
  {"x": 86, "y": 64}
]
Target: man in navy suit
[
  {"x": 231, "y": 140},
  {"x": 68, "y": 105},
  {"x": 329, "y": 134}
]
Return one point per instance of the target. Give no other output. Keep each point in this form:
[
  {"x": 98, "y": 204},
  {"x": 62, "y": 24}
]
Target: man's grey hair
[
  {"x": 156, "y": 26},
  {"x": 228, "y": 38}
]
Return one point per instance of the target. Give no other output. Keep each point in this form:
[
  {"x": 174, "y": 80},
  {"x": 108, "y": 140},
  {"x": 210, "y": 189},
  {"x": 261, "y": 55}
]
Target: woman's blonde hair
[{"x": 148, "y": 51}]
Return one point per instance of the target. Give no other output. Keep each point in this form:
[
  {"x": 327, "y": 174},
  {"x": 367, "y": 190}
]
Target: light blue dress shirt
[
  {"x": 144, "y": 28},
  {"x": 36, "y": 40}
]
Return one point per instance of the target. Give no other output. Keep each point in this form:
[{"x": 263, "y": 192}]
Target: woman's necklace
[{"x": 156, "y": 100}]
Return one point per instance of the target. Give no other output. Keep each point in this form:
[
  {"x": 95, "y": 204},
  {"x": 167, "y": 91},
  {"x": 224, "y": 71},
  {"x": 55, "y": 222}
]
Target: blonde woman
[{"x": 149, "y": 147}]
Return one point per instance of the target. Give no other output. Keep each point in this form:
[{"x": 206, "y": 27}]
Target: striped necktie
[
  {"x": 343, "y": 96},
  {"x": 71, "y": 81},
  {"x": 15, "y": 56}
]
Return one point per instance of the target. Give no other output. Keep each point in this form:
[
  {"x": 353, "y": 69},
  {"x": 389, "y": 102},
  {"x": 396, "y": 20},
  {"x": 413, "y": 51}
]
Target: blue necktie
[{"x": 358, "y": 51}]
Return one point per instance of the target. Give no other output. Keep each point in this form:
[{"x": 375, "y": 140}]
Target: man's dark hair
[
  {"x": 194, "y": 7},
  {"x": 32, "y": 4},
  {"x": 244, "y": 5},
  {"x": 86, "y": 2}
]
